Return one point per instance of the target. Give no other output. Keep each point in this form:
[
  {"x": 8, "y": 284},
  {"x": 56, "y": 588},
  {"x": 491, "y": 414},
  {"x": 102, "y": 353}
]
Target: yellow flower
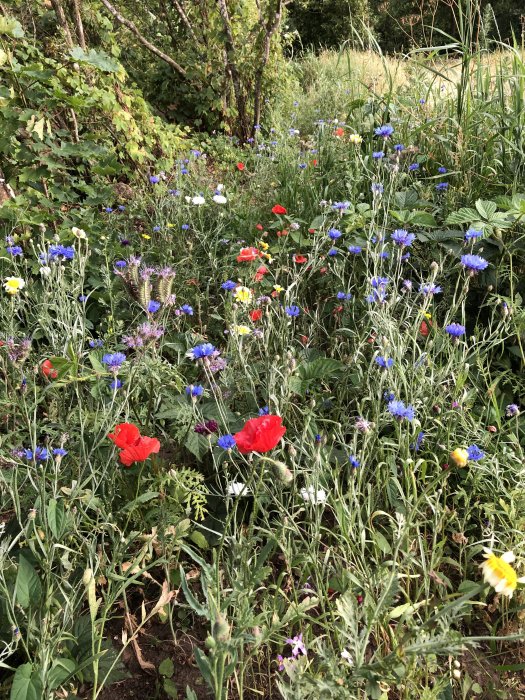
[
  {"x": 267, "y": 256},
  {"x": 170, "y": 225},
  {"x": 13, "y": 285},
  {"x": 145, "y": 235},
  {"x": 278, "y": 288},
  {"x": 459, "y": 457},
  {"x": 427, "y": 315},
  {"x": 243, "y": 294},
  {"x": 355, "y": 139},
  {"x": 263, "y": 245},
  {"x": 498, "y": 572},
  {"x": 242, "y": 330}
]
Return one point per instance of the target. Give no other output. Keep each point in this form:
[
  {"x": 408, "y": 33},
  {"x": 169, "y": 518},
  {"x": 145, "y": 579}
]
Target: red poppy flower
[
  {"x": 424, "y": 328},
  {"x": 48, "y": 370},
  {"x": 240, "y": 166},
  {"x": 339, "y": 132},
  {"x": 259, "y": 227},
  {"x": 248, "y": 254},
  {"x": 299, "y": 259},
  {"x": 304, "y": 339},
  {"x": 256, "y": 315},
  {"x": 284, "y": 232},
  {"x": 314, "y": 162},
  {"x": 125, "y": 434},
  {"x": 323, "y": 270},
  {"x": 260, "y": 434},
  {"x": 311, "y": 230},
  {"x": 278, "y": 209},
  {"x": 140, "y": 451}
]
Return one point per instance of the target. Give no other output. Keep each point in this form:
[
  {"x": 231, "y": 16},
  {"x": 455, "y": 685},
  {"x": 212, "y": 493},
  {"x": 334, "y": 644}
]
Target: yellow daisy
[
  {"x": 13, "y": 285},
  {"x": 263, "y": 245},
  {"x": 459, "y": 456},
  {"x": 278, "y": 288},
  {"x": 355, "y": 139},
  {"x": 243, "y": 294},
  {"x": 498, "y": 572},
  {"x": 242, "y": 330}
]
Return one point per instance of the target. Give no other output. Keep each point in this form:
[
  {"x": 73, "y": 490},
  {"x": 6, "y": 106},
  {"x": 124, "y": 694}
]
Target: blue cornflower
[
  {"x": 187, "y": 309},
  {"x": 156, "y": 229},
  {"x": 422, "y": 101},
  {"x": 442, "y": 170},
  {"x": 456, "y": 330},
  {"x": 62, "y": 252},
  {"x": 385, "y": 131},
  {"x": 334, "y": 234},
  {"x": 96, "y": 343},
  {"x": 340, "y": 206},
  {"x": 264, "y": 411},
  {"x": 398, "y": 410},
  {"x": 378, "y": 295},
  {"x": 153, "y": 306},
  {"x": 115, "y": 384},
  {"x": 184, "y": 171},
  {"x": 344, "y": 296},
  {"x": 384, "y": 255},
  {"x": 389, "y": 396},
  {"x": 377, "y": 189},
  {"x": 472, "y": 234},
  {"x": 474, "y": 453},
  {"x": 399, "y": 147},
  {"x": 379, "y": 282},
  {"x": 194, "y": 390},
  {"x": 228, "y": 285},
  {"x": 318, "y": 438},
  {"x": 429, "y": 289},
  {"x": 14, "y": 250},
  {"x": 405, "y": 257},
  {"x": 474, "y": 263},
  {"x": 419, "y": 441},
  {"x": 59, "y": 452},
  {"x": 185, "y": 227},
  {"x": 292, "y": 310},
  {"x": 442, "y": 187},
  {"x": 354, "y": 462},
  {"x": 384, "y": 362},
  {"x": 108, "y": 210},
  {"x": 402, "y": 237},
  {"x": 302, "y": 166},
  {"x": 120, "y": 264},
  {"x": 332, "y": 252},
  {"x": 377, "y": 155},
  {"x": 413, "y": 166},
  {"x": 512, "y": 410},
  {"x": 154, "y": 179},
  {"x": 82, "y": 298},
  {"x": 121, "y": 207},
  {"x": 39, "y": 454},
  {"x": 174, "y": 193},
  {"x": 200, "y": 351},
  {"x": 114, "y": 360},
  {"x": 227, "y": 442},
  {"x": 355, "y": 249}
]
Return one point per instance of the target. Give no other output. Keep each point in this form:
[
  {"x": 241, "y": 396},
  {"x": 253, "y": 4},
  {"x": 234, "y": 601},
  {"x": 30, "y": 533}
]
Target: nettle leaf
[
  {"x": 97, "y": 59},
  {"x": 462, "y": 216},
  {"x": 27, "y": 684},
  {"x": 320, "y": 368},
  {"x": 197, "y": 444},
  {"x": 407, "y": 199},
  {"x": 28, "y": 587},
  {"x": 486, "y": 208}
]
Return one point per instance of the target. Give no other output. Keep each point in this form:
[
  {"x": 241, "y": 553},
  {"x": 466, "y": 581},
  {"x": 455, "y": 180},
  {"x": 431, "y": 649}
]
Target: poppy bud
[
  {"x": 221, "y": 629},
  {"x": 282, "y": 473},
  {"x": 48, "y": 370}
]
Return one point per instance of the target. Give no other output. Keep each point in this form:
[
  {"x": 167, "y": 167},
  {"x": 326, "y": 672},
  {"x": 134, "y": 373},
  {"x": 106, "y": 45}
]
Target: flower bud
[
  {"x": 282, "y": 473},
  {"x": 86, "y": 578},
  {"x": 221, "y": 629}
]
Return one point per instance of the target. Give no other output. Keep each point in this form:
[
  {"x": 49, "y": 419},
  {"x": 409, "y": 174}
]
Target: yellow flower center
[{"x": 502, "y": 570}]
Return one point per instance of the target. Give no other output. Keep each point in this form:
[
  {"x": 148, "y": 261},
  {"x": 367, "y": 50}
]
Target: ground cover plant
[{"x": 261, "y": 429}]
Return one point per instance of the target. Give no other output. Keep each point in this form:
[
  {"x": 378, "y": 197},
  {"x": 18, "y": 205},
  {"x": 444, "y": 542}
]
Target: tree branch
[
  {"x": 61, "y": 17},
  {"x": 132, "y": 27},
  {"x": 79, "y": 27}
]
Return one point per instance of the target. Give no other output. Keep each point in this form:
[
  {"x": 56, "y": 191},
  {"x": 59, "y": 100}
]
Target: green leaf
[
  {"x": 486, "y": 208},
  {"x": 143, "y": 498},
  {"x": 27, "y": 684},
  {"x": 462, "y": 216},
  {"x": 97, "y": 59},
  {"x": 406, "y": 199},
  {"x": 190, "y": 598},
  {"x": 198, "y": 538},
  {"x": 423, "y": 218},
  {"x": 11, "y": 27},
  {"x": 28, "y": 587},
  {"x": 166, "y": 668},
  {"x": 320, "y": 368},
  {"x": 382, "y": 543},
  {"x": 197, "y": 444},
  {"x": 61, "y": 670},
  {"x": 56, "y": 517},
  {"x": 170, "y": 688}
]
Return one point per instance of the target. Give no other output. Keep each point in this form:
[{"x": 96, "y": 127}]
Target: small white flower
[
  {"x": 220, "y": 187},
  {"x": 199, "y": 199},
  {"x": 45, "y": 270},
  {"x": 79, "y": 233},
  {"x": 219, "y": 199},
  {"x": 188, "y": 199},
  {"x": 310, "y": 495},
  {"x": 237, "y": 488},
  {"x": 347, "y": 656}
]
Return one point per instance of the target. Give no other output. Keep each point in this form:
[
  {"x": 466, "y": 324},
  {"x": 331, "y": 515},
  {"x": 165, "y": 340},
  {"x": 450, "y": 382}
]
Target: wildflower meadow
[{"x": 261, "y": 429}]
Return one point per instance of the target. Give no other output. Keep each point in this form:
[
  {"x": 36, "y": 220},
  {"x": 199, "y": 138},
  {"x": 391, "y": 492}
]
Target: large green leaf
[
  {"x": 28, "y": 587},
  {"x": 27, "y": 684},
  {"x": 98, "y": 59},
  {"x": 463, "y": 216},
  {"x": 56, "y": 517}
]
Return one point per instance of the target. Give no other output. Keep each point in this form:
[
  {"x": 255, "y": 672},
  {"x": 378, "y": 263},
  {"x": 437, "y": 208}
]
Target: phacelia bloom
[
  {"x": 39, "y": 454},
  {"x": 292, "y": 310},
  {"x": 248, "y": 254},
  {"x": 312, "y": 495},
  {"x": 430, "y": 289},
  {"x": 334, "y": 234},
  {"x": 187, "y": 309},
  {"x": 377, "y": 189},
  {"x": 114, "y": 361},
  {"x": 356, "y": 139},
  {"x": 226, "y": 442},
  {"x": 384, "y": 362},
  {"x": 228, "y": 285},
  {"x": 278, "y": 209},
  {"x": 194, "y": 390},
  {"x": 474, "y": 263},
  {"x": 512, "y": 410},
  {"x": 472, "y": 234},
  {"x": 378, "y": 155},
  {"x": 260, "y": 434},
  {"x": 200, "y": 351},
  {"x": 134, "y": 446},
  {"x": 384, "y": 131},
  {"x": 456, "y": 330},
  {"x": 402, "y": 237},
  {"x": 243, "y": 294},
  {"x": 354, "y": 462},
  {"x": 498, "y": 572},
  {"x": 355, "y": 249},
  {"x": 442, "y": 187},
  {"x": 398, "y": 410},
  {"x": 474, "y": 453},
  {"x": 13, "y": 285},
  {"x": 153, "y": 306},
  {"x": 60, "y": 252},
  {"x": 14, "y": 250},
  {"x": 459, "y": 456}
]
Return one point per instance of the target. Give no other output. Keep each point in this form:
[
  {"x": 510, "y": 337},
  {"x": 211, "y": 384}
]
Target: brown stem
[
  {"x": 79, "y": 26},
  {"x": 269, "y": 31},
  {"x": 62, "y": 21},
  {"x": 151, "y": 47}
]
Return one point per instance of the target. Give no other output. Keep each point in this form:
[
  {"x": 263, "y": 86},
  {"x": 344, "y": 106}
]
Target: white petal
[{"x": 509, "y": 557}]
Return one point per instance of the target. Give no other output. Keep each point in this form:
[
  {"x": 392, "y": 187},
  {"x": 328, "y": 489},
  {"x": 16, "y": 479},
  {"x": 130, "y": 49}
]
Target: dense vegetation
[{"x": 261, "y": 347}]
